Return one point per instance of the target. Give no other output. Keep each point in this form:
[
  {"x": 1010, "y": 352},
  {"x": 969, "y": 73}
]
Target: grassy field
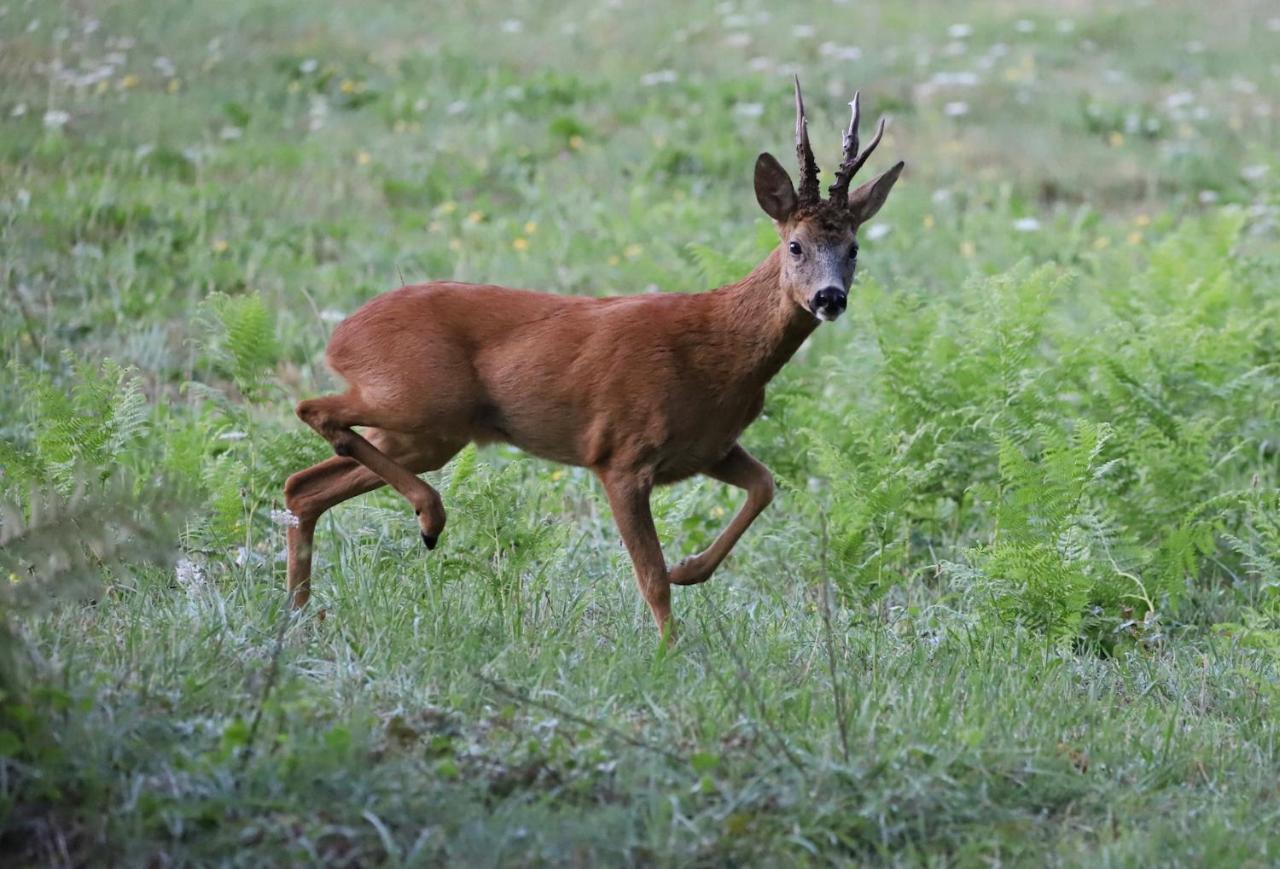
[{"x": 1018, "y": 599}]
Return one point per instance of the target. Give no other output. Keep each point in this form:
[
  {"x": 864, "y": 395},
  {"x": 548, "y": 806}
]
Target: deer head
[{"x": 819, "y": 236}]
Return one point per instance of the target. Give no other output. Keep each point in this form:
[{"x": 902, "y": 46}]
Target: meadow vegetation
[{"x": 1018, "y": 599}]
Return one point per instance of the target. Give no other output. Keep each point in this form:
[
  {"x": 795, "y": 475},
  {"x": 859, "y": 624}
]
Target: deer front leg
[
  {"x": 629, "y": 499},
  {"x": 739, "y": 468}
]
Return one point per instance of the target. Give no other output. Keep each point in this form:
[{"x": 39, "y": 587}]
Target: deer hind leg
[
  {"x": 333, "y": 417},
  {"x": 739, "y": 468},
  {"x": 629, "y": 499},
  {"x": 309, "y": 493}
]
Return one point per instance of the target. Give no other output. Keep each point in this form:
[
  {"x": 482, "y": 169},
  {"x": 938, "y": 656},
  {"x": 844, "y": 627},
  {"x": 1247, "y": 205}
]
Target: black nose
[{"x": 830, "y": 300}]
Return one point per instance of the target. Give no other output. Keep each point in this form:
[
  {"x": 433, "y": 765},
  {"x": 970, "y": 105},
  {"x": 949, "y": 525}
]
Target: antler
[
  {"x": 852, "y": 161},
  {"x": 810, "y": 193}
]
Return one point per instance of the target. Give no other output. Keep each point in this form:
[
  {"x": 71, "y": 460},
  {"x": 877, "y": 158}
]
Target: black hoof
[{"x": 429, "y": 540}]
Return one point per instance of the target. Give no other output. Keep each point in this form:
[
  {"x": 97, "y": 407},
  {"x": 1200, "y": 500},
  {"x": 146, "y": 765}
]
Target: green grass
[{"x": 1018, "y": 600}]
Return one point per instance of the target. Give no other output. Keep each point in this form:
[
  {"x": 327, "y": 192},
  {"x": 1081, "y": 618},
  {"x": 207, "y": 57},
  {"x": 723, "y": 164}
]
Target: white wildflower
[
  {"x": 738, "y": 40},
  {"x": 877, "y": 231},
  {"x": 956, "y": 109},
  {"x": 1273, "y": 24},
  {"x": 1254, "y": 172},
  {"x": 749, "y": 110},
  {"x": 308, "y": 66},
  {"x": 1066, "y": 25},
  {"x": 804, "y": 31},
  {"x": 512, "y": 25},
  {"x": 1208, "y": 197},
  {"x": 955, "y": 79},
  {"x": 1024, "y": 25},
  {"x": 164, "y": 66},
  {"x": 661, "y": 76},
  {"x": 959, "y": 31},
  {"x": 1195, "y": 46},
  {"x": 332, "y": 315},
  {"x": 230, "y": 133},
  {"x": 56, "y": 119},
  {"x": 24, "y": 198},
  {"x": 456, "y": 107},
  {"x": 189, "y": 574},
  {"x": 285, "y": 518},
  {"x": 1179, "y": 99},
  {"x": 19, "y": 110},
  {"x": 232, "y": 436},
  {"x": 760, "y": 64},
  {"x": 1026, "y": 224},
  {"x": 840, "y": 52}
]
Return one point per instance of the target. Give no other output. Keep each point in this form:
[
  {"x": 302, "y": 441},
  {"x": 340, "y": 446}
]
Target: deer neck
[{"x": 766, "y": 325}]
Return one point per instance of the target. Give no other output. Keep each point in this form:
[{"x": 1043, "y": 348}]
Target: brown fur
[{"x": 643, "y": 390}]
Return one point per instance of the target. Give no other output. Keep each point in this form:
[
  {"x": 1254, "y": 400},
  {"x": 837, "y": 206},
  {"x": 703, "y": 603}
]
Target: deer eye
[
  {"x": 853, "y": 252},
  {"x": 795, "y": 248}
]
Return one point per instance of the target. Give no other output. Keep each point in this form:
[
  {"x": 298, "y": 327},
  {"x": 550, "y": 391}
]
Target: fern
[
  {"x": 94, "y": 422},
  {"x": 244, "y": 343}
]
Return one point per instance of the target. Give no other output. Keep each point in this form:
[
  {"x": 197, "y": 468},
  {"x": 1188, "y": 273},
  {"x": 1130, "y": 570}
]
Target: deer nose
[{"x": 829, "y": 302}]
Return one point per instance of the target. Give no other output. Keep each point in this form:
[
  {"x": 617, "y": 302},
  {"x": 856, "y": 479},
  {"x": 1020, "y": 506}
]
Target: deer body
[
  {"x": 643, "y": 390},
  {"x": 658, "y": 381}
]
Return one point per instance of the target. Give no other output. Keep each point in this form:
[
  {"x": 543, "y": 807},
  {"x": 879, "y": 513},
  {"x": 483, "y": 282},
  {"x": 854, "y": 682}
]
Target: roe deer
[{"x": 643, "y": 390}]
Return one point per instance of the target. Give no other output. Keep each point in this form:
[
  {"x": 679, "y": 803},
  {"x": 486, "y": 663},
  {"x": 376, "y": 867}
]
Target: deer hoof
[{"x": 429, "y": 540}]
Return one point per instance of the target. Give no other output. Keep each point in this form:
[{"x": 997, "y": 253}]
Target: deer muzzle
[{"x": 829, "y": 303}]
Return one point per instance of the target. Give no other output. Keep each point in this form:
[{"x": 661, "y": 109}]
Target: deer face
[{"x": 819, "y": 237}]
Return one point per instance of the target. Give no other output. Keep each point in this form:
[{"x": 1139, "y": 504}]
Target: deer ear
[
  {"x": 774, "y": 190},
  {"x": 867, "y": 199}
]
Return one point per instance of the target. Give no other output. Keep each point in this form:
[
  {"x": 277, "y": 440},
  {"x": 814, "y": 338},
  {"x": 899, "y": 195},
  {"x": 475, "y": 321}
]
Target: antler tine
[
  {"x": 809, "y": 190},
  {"x": 852, "y": 161},
  {"x": 851, "y": 134}
]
